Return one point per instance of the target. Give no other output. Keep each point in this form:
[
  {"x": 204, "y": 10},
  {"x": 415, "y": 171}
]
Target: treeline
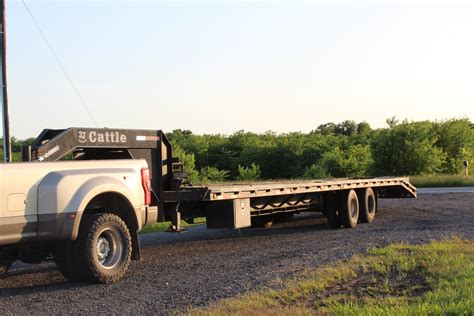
[
  {"x": 16, "y": 144},
  {"x": 346, "y": 149}
]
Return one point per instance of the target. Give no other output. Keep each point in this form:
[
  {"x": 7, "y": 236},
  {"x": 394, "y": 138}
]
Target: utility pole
[{"x": 7, "y": 148}]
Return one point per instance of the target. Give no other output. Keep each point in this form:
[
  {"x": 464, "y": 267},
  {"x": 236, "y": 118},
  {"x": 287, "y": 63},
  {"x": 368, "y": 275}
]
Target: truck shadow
[
  {"x": 32, "y": 280},
  {"x": 6, "y": 293}
]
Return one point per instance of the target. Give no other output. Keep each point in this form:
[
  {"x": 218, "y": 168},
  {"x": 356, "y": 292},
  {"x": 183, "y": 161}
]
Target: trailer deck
[{"x": 388, "y": 188}]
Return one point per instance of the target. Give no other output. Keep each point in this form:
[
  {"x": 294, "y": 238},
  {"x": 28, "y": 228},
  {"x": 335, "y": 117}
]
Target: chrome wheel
[{"x": 109, "y": 248}]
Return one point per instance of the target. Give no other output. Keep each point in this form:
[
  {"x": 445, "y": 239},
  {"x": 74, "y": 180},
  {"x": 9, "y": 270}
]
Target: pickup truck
[{"x": 83, "y": 214}]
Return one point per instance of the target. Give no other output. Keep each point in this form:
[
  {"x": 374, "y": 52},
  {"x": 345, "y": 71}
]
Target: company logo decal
[{"x": 96, "y": 137}]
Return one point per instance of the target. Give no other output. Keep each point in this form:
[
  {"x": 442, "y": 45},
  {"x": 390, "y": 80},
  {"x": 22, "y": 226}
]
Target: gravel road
[{"x": 201, "y": 266}]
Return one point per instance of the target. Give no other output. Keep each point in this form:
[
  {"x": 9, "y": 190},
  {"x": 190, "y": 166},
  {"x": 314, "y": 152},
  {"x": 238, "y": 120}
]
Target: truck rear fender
[
  {"x": 104, "y": 194},
  {"x": 61, "y": 205}
]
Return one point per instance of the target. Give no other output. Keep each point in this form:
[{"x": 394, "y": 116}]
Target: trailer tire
[
  {"x": 103, "y": 248},
  {"x": 367, "y": 205},
  {"x": 349, "y": 209},
  {"x": 332, "y": 211}
]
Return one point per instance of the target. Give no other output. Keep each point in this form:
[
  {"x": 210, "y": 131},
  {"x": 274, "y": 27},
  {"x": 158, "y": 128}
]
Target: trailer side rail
[{"x": 388, "y": 188}]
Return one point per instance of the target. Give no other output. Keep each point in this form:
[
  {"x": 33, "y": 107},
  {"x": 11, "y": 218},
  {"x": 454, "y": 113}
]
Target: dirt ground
[{"x": 201, "y": 266}]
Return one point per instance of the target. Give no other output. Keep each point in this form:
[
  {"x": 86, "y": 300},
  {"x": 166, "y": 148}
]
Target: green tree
[
  {"x": 188, "y": 161},
  {"x": 326, "y": 129},
  {"x": 347, "y": 128},
  {"x": 353, "y": 162},
  {"x": 250, "y": 173},
  {"x": 316, "y": 171},
  {"x": 212, "y": 174},
  {"x": 407, "y": 149},
  {"x": 456, "y": 139},
  {"x": 363, "y": 128}
]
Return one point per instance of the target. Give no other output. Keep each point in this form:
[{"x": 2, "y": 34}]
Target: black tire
[
  {"x": 4, "y": 267},
  {"x": 64, "y": 259},
  {"x": 102, "y": 251},
  {"x": 332, "y": 210},
  {"x": 349, "y": 209},
  {"x": 367, "y": 205},
  {"x": 265, "y": 221}
]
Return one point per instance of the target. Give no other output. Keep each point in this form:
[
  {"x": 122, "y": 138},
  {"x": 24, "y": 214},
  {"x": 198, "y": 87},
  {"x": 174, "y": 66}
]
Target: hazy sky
[{"x": 218, "y": 67}]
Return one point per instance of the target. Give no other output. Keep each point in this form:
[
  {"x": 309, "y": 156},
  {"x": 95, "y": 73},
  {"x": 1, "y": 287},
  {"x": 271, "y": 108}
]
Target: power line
[{"x": 59, "y": 62}]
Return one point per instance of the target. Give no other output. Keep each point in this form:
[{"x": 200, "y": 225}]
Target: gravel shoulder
[{"x": 201, "y": 266}]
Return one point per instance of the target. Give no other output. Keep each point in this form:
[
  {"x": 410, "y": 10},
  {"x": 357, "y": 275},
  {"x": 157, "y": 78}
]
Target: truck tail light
[{"x": 146, "y": 183}]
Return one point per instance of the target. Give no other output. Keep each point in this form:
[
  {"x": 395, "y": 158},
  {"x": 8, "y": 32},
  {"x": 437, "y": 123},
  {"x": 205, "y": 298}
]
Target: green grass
[
  {"x": 436, "y": 278},
  {"x": 161, "y": 227},
  {"x": 442, "y": 181}
]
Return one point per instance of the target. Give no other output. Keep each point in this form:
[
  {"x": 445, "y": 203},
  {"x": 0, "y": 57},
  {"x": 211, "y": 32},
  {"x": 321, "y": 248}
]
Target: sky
[{"x": 223, "y": 66}]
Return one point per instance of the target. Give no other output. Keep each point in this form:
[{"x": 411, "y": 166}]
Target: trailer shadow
[{"x": 302, "y": 223}]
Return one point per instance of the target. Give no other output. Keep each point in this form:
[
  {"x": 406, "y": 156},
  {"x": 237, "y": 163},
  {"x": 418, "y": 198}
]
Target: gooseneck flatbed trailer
[
  {"x": 85, "y": 214},
  {"x": 345, "y": 202}
]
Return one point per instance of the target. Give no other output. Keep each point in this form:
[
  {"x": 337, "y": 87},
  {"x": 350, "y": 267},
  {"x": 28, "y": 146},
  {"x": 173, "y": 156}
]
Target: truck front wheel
[{"x": 103, "y": 248}]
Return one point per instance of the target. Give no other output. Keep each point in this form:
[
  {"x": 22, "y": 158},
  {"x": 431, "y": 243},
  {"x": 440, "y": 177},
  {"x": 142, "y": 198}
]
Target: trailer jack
[{"x": 175, "y": 226}]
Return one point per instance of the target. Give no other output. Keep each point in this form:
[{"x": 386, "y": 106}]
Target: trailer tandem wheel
[
  {"x": 349, "y": 214},
  {"x": 367, "y": 205}
]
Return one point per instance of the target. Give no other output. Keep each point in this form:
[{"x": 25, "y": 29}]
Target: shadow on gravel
[
  {"x": 43, "y": 288},
  {"x": 293, "y": 227},
  {"x": 300, "y": 225},
  {"x": 30, "y": 269},
  {"x": 31, "y": 279}
]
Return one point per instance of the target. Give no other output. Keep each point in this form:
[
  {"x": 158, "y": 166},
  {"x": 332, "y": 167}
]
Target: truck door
[{"x": 18, "y": 221}]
